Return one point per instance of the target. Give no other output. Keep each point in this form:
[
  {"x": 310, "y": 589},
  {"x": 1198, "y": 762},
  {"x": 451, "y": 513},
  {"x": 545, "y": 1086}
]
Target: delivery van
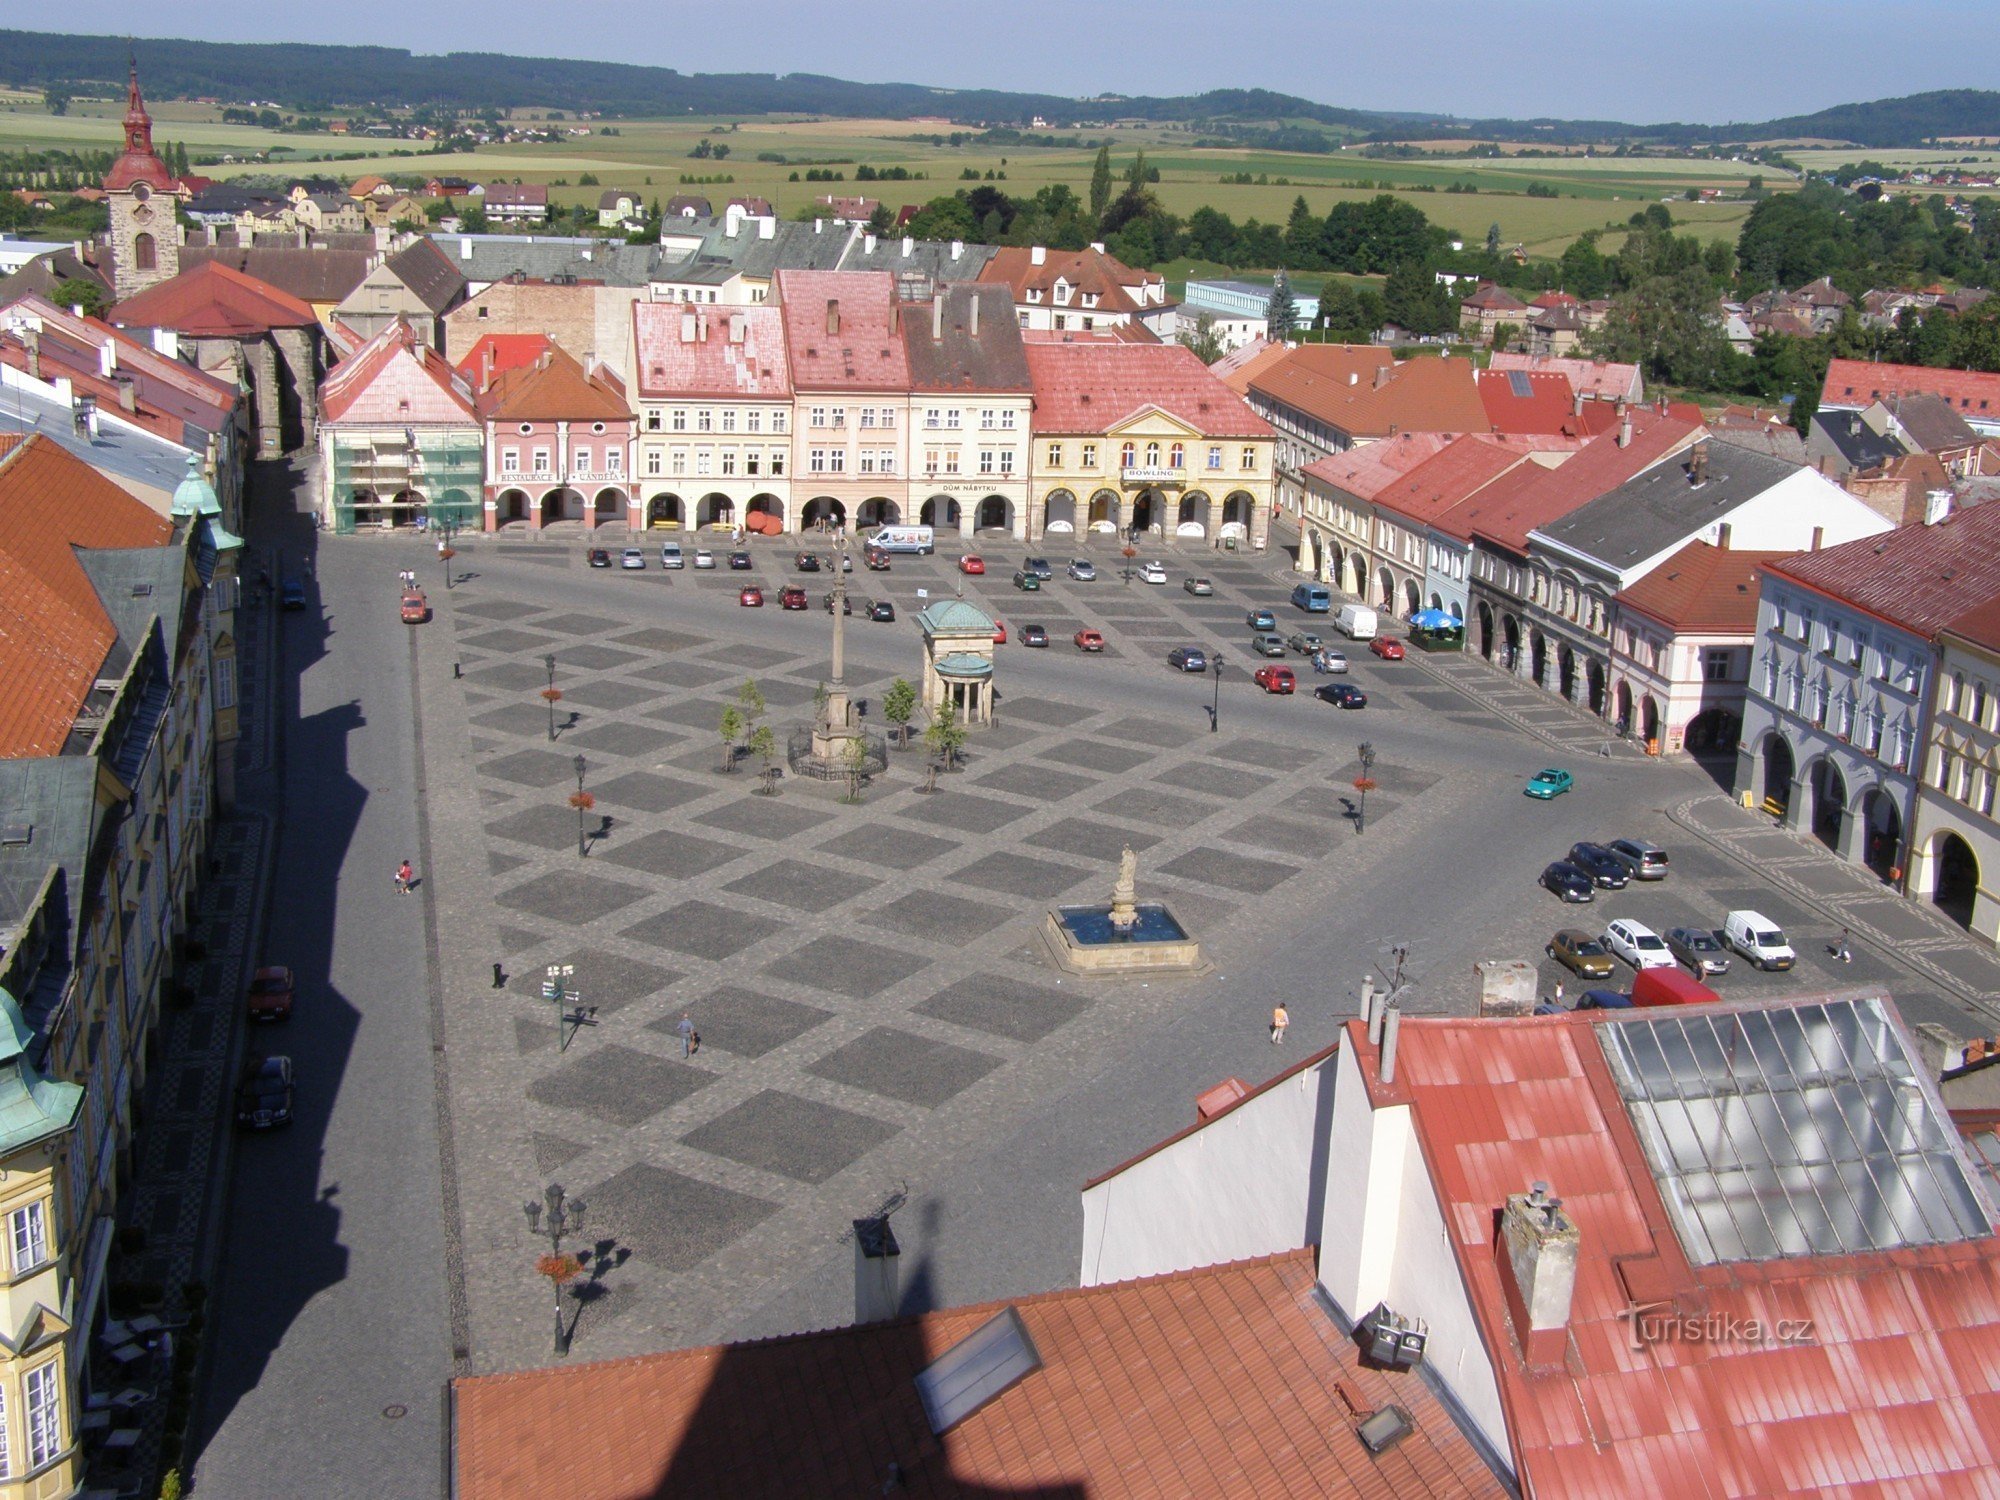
[
  {"x": 1758, "y": 939},
  {"x": 1356, "y": 622},
  {"x": 1313, "y": 598},
  {"x": 902, "y": 539}
]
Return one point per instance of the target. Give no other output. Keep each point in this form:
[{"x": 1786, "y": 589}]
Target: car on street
[
  {"x": 846, "y": 563},
  {"x": 1039, "y": 566},
  {"x": 1261, "y": 619},
  {"x": 1638, "y": 944},
  {"x": 1304, "y": 642},
  {"x": 1331, "y": 661},
  {"x": 598, "y": 557},
  {"x": 750, "y": 596},
  {"x": 264, "y": 1097},
  {"x": 876, "y": 559},
  {"x": 1758, "y": 939},
  {"x": 416, "y": 608},
  {"x": 881, "y": 609},
  {"x": 1642, "y": 860},
  {"x": 1582, "y": 954},
  {"x": 1152, "y": 572},
  {"x": 1600, "y": 864},
  {"x": 1387, "y": 647},
  {"x": 703, "y": 558},
  {"x": 292, "y": 593},
  {"x": 632, "y": 558},
  {"x": 1700, "y": 949},
  {"x": 1201, "y": 588},
  {"x": 1027, "y": 583},
  {"x": 999, "y": 631},
  {"x": 846, "y": 603},
  {"x": 1089, "y": 640},
  {"x": 1268, "y": 643},
  {"x": 1034, "y": 635},
  {"x": 791, "y": 596},
  {"x": 671, "y": 556},
  {"x": 972, "y": 562},
  {"x": 1275, "y": 679},
  {"x": 1549, "y": 783},
  {"x": 806, "y": 562},
  {"x": 1083, "y": 570},
  {"x": 1342, "y": 695},
  {"x": 270, "y": 997},
  {"x": 1188, "y": 659},
  {"x": 740, "y": 562},
  {"x": 1565, "y": 880}
]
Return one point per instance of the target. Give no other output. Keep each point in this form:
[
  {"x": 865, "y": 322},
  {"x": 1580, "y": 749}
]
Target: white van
[
  {"x": 1758, "y": 939},
  {"x": 1356, "y": 622},
  {"x": 901, "y": 539}
]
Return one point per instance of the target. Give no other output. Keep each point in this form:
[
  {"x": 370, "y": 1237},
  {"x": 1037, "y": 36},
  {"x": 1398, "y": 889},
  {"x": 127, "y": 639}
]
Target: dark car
[
  {"x": 1700, "y": 949},
  {"x": 806, "y": 562},
  {"x": 740, "y": 561},
  {"x": 791, "y": 596},
  {"x": 1034, "y": 635},
  {"x": 846, "y": 603},
  {"x": 1305, "y": 642},
  {"x": 1188, "y": 659},
  {"x": 1039, "y": 566},
  {"x": 1565, "y": 880},
  {"x": 270, "y": 996},
  {"x": 876, "y": 559},
  {"x": 1342, "y": 695},
  {"x": 881, "y": 609},
  {"x": 599, "y": 557},
  {"x": 1027, "y": 582},
  {"x": 264, "y": 1097},
  {"x": 292, "y": 593},
  {"x": 1261, "y": 619},
  {"x": 1600, "y": 864}
]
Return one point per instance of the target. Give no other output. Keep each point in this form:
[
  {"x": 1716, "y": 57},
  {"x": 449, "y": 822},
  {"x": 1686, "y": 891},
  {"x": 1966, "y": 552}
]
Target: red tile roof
[
  {"x": 1705, "y": 589},
  {"x": 516, "y": 195},
  {"x": 1599, "y": 380},
  {"x": 1087, "y": 272},
  {"x": 1455, "y": 474},
  {"x": 729, "y": 352},
  {"x": 1085, "y": 388},
  {"x": 1305, "y": 365},
  {"x": 1365, "y": 471},
  {"x": 509, "y": 351},
  {"x": 1418, "y": 395},
  {"x": 1894, "y": 1392},
  {"x": 1541, "y": 402},
  {"x": 842, "y": 331},
  {"x": 554, "y": 389},
  {"x": 54, "y": 633},
  {"x": 214, "y": 301},
  {"x": 397, "y": 380},
  {"x": 1488, "y": 297},
  {"x": 1228, "y": 1381},
  {"x": 1858, "y": 383},
  {"x": 1980, "y": 625},
  {"x": 170, "y": 395},
  {"x": 1918, "y": 577},
  {"x": 1506, "y": 511}
]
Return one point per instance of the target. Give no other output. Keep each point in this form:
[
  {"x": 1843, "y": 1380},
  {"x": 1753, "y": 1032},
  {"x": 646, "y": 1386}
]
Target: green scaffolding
[{"x": 400, "y": 476}]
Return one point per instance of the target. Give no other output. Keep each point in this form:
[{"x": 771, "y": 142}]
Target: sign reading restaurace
[{"x": 1153, "y": 474}]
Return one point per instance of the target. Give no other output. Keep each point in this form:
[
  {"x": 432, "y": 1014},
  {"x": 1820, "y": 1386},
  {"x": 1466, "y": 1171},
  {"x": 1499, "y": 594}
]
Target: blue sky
[{"x": 1700, "y": 60}]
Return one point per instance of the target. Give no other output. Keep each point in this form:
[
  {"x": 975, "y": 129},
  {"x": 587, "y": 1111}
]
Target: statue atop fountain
[{"x": 1125, "y": 894}]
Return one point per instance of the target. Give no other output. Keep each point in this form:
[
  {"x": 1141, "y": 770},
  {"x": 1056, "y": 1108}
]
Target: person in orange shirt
[{"x": 1280, "y": 1019}]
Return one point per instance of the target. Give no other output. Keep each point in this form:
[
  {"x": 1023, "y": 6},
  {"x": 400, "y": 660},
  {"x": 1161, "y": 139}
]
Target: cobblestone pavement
[{"x": 1562, "y": 725}]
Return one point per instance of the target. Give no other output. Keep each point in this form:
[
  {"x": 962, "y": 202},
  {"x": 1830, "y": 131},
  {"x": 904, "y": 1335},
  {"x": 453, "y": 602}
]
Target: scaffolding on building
[{"x": 391, "y": 478}]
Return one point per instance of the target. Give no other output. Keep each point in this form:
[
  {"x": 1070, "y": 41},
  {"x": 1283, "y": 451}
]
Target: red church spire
[
  {"x": 140, "y": 163},
  {"x": 138, "y": 124}
]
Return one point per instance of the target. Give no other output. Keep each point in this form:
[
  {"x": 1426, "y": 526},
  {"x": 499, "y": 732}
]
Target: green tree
[
  {"x": 763, "y": 743},
  {"x": 1100, "y": 182},
  {"x": 731, "y": 729},
  {"x": 76, "y": 292},
  {"x": 1135, "y": 175},
  {"x": 1414, "y": 298},
  {"x": 854, "y": 761},
  {"x": 1281, "y": 312},
  {"x": 899, "y": 706},
  {"x": 473, "y": 220},
  {"x": 1203, "y": 339},
  {"x": 1305, "y": 238},
  {"x": 1492, "y": 239},
  {"x": 750, "y": 699},
  {"x": 1670, "y": 325},
  {"x": 55, "y": 99},
  {"x": 881, "y": 221},
  {"x": 944, "y": 736}
]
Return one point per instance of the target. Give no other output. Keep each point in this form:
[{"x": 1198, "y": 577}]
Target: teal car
[
  {"x": 1027, "y": 582},
  {"x": 1549, "y": 783}
]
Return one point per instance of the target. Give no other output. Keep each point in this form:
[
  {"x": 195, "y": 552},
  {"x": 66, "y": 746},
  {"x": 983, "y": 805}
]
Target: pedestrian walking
[
  {"x": 1843, "y": 950},
  {"x": 1559, "y": 993},
  {"x": 1280, "y": 1019},
  {"x": 405, "y": 876},
  {"x": 686, "y": 1030}
]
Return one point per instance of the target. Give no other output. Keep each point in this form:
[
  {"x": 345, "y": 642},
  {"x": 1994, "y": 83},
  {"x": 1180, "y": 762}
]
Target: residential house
[
  {"x": 1835, "y": 722},
  {"x": 515, "y": 203},
  {"x": 47, "y": 269},
  {"x": 620, "y": 208},
  {"x": 1955, "y": 836},
  {"x": 1541, "y": 403},
  {"x": 1337, "y": 513},
  {"x": 1073, "y": 290},
  {"x": 1900, "y": 489},
  {"x": 1141, "y": 440},
  {"x": 559, "y": 442},
  {"x": 688, "y": 206},
  {"x": 971, "y": 413},
  {"x": 329, "y": 213},
  {"x": 418, "y": 284},
  {"x": 322, "y": 273},
  {"x": 1558, "y": 332},
  {"x": 1486, "y": 308},
  {"x": 400, "y": 211},
  {"x": 847, "y": 210},
  {"x": 1839, "y": 443},
  {"x": 453, "y": 187},
  {"x": 399, "y": 438},
  {"x": 1592, "y": 379},
  {"x": 850, "y": 375},
  {"x": 714, "y": 396},
  {"x": 1924, "y": 423},
  {"x": 1856, "y": 385},
  {"x": 1402, "y": 559}
]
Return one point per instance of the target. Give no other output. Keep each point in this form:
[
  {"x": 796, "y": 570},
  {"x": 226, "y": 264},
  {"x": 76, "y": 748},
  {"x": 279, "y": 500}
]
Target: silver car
[
  {"x": 1699, "y": 949},
  {"x": 1083, "y": 570}
]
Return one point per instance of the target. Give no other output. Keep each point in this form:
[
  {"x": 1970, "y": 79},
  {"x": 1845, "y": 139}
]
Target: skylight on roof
[
  {"x": 1791, "y": 1131},
  {"x": 981, "y": 1367},
  {"x": 1519, "y": 384}
]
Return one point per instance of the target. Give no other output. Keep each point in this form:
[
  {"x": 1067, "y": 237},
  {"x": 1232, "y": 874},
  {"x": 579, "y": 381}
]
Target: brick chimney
[
  {"x": 832, "y": 315},
  {"x": 972, "y": 315},
  {"x": 937, "y": 317},
  {"x": 1537, "y": 1252},
  {"x": 31, "y": 341}
]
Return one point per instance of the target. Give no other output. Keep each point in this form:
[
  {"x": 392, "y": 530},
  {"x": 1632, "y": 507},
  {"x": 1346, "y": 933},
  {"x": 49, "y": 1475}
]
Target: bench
[{"x": 1773, "y": 807}]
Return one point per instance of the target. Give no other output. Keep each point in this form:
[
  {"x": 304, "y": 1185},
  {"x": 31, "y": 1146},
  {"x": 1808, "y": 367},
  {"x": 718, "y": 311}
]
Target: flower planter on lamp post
[
  {"x": 557, "y": 1217},
  {"x": 552, "y": 694},
  {"x": 583, "y": 802}
]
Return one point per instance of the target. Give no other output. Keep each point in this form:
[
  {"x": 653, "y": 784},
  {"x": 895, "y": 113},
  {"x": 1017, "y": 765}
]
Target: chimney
[
  {"x": 1098, "y": 246},
  {"x": 972, "y": 316},
  {"x": 128, "y": 393},
  {"x": 1937, "y": 505},
  {"x": 736, "y": 330},
  {"x": 937, "y": 317},
  {"x": 486, "y": 376},
  {"x": 867, "y": 244},
  {"x": 1382, "y": 374},
  {"x": 1625, "y": 429},
  {"x": 701, "y": 325},
  {"x": 687, "y": 328},
  {"x": 302, "y": 236},
  {"x": 875, "y": 1252},
  {"x": 909, "y": 244},
  {"x": 211, "y": 234},
  {"x": 1537, "y": 1251},
  {"x": 767, "y": 228},
  {"x": 1392, "y": 1023},
  {"x": 585, "y": 252},
  {"x": 1576, "y": 405},
  {"x": 107, "y": 358},
  {"x": 465, "y": 249},
  {"x": 1818, "y": 539},
  {"x": 957, "y": 249},
  {"x": 1354, "y": 377},
  {"x": 1722, "y": 535},
  {"x": 819, "y": 226},
  {"x": 832, "y": 316},
  {"x": 1038, "y": 255},
  {"x": 31, "y": 340},
  {"x": 1698, "y": 465}
]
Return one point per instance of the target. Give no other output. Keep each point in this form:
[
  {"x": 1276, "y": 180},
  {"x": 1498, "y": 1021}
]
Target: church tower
[{"x": 140, "y": 192}]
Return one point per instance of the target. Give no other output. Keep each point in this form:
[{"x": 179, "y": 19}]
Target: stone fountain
[{"x": 1123, "y": 935}]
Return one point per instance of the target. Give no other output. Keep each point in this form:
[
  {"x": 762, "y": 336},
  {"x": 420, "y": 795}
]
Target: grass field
[{"x": 653, "y": 155}]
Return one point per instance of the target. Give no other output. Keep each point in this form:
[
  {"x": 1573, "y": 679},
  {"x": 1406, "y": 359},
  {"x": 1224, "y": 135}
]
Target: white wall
[
  {"x": 1244, "y": 1185},
  {"x": 1785, "y": 516}
]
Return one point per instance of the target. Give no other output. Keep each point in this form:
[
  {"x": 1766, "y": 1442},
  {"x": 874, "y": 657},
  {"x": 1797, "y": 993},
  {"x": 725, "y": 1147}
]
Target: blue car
[
  {"x": 292, "y": 593},
  {"x": 1188, "y": 659},
  {"x": 1549, "y": 783}
]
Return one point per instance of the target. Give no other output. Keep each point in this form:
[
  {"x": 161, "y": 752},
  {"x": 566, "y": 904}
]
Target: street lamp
[
  {"x": 1215, "y": 708},
  {"x": 552, "y": 693},
  {"x": 450, "y": 527},
  {"x": 557, "y": 1217},
  {"x": 583, "y": 802},
  {"x": 1364, "y": 784}
]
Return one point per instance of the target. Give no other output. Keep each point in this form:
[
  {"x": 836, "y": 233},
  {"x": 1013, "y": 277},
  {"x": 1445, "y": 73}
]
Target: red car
[
  {"x": 999, "y": 632},
  {"x": 1275, "y": 679},
  {"x": 1387, "y": 647},
  {"x": 792, "y": 597},
  {"x": 270, "y": 996},
  {"x": 972, "y": 563},
  {"x": 1089, "y": 640},
  {"x": 751, "y": 598}
]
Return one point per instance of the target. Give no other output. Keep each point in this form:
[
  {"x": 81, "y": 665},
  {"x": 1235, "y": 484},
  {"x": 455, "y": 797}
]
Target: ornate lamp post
[
  {"x": 583, "y": 802},
  {"x": 558, "y": 1217},
  {"x": 552, "y": 693},
  {"x": 1215, "y": 707},
  {"x": 1364, "y": 784},
  {"x": 450, "y": 526}
]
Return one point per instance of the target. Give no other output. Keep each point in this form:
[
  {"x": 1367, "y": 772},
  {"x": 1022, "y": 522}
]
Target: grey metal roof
[
  {"x": 1663, "y": 507},
  {"x": 495, "y": 257},
  {"x": 429, "y": 274},
  {"x": 129, "y": 455},
  {"x": 134, "y": 584},
  {"x": 820, "y": 246},
  {"x": 55, "y": 798},
  {"x": 1860, "y": 445}
]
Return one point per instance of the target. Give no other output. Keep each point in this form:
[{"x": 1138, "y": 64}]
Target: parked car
[
  {"x": 1275, "y": 679},
  {"x": 846, "y": 603},
  {"x": 1387, "y": 647},
  {"x": 1758, "y": 939},
  {"x": 1261, "y": 619},
  {"x": 1638, "y": 944},
  {"x": 1304, "y": 642},
  {"x": 1600, "y": 864},
  {"x": 264, "y": 1097},
  {"x": 1027, "y": 582},
  {"x": 740, "y": 562},
  {"x": 999, "y": 632},
  {"x": 292, "y": 593},
  {"x": 632, "y": 558},
  {"x": 1034, "y": 635},
  {"x": 750, "y": 596},
  {"x": 1039, "y": 566},
  {"x": 671, "y": 555},
  {"x": 791, "y": 596},
  {"x": 1268, "y": 643},
  {"x": 876, "y": 559},
  {"x": 1669, "y": 986},
  {"x": 703, "y": 558},
  {"x": 1549, "y": 783},
  {"x": 1201, "y": 588},
  {"x": 806, "y": 562},
  {"x": 1083, "y": 570},
  {"x": 1643, "y": 861},
  {"x": 881, "y": 609},
  {"x": 598, "y": 557},
  {"x": 1700, "y": 949},
  {"x": 1582, "y": 954},
  {"x": 972, "y": 562},
  {"x": 1152, "y": 572},
  {"x": 1330, "y": 661},
  {"x": 1089, "y": 640},
  {"x": 416, "y": 608},
  {"x": 270, "y": 997},
  {"x": 1565, "y": 880},
  {"x": 1188, "y": 659},
  {"x": 1342, "y": 695}
]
